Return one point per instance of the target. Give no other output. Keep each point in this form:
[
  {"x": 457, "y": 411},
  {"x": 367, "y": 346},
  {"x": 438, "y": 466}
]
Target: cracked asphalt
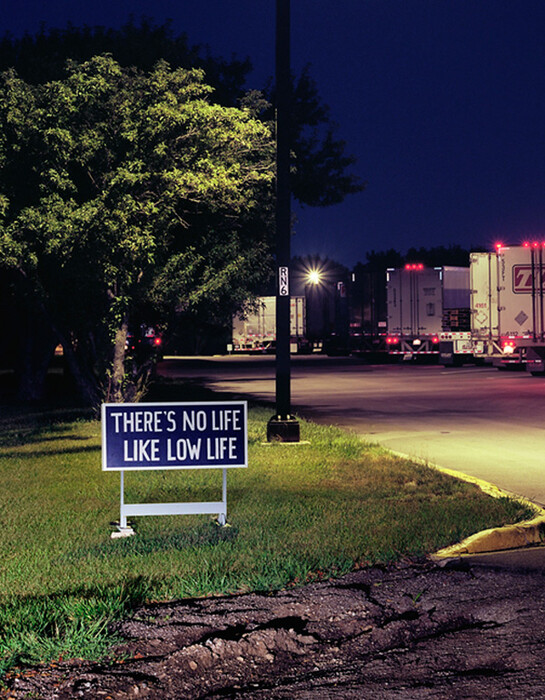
[{"x": 409, "y": 630}]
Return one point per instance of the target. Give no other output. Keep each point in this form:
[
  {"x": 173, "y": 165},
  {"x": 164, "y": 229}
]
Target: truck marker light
[
  {"x": 435, "y": 340},
  {"x": 508, "y": 347}
]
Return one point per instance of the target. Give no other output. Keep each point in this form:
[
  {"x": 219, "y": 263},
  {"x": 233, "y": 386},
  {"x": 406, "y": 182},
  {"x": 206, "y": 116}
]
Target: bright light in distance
[
  {"x": 435, "y": 340},
  {"x": 314, "y": 276},
  {"x": 533, "y": 244}
]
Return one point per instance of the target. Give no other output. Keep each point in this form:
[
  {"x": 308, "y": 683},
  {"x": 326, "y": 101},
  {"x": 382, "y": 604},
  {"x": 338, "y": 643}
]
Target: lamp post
[{"x": 283, "y": 426}]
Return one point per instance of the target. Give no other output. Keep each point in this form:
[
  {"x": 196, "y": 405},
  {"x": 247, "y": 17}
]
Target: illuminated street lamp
[{"x": 314, "y": 277}]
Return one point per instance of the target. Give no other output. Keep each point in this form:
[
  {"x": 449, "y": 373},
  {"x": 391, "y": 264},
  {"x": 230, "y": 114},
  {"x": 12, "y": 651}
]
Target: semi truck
[
  {"x": 255, "y": 332},
  {"x": 422, "y": 303},
  {"x": 515, "y": 334},
  {"x": 507, "y": 290},
  {"x": 478, "y": 339}
]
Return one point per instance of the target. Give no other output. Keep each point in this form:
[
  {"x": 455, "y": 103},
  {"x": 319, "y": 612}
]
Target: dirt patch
[{"x": 413, "y": 630}]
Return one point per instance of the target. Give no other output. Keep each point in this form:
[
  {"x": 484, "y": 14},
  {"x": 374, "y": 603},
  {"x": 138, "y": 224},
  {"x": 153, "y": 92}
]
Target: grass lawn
[{"x": 297, "y": 514}]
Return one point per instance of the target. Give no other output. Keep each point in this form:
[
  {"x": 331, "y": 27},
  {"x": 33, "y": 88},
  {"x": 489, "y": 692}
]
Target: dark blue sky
[{"x": 441, "y": 101}]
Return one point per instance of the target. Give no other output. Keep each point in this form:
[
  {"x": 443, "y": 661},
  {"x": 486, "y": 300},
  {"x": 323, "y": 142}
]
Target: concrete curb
[
  {"x": 530, "y": 532},
  {"x": 496, "y": 539}
]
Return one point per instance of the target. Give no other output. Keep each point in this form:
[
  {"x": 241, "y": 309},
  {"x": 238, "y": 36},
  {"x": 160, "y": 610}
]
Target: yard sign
[{"x": 174, "y": 436}]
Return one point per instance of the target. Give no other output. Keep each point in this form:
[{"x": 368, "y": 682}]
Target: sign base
[{"x": 122, "y": 532}]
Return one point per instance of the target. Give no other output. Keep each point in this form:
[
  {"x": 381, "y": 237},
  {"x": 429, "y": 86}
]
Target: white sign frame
[{"x": 150, "y": 412}]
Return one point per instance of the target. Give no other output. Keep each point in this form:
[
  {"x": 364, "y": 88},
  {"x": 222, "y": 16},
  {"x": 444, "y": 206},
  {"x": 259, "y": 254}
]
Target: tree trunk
[{"x": 118, "y": 365}]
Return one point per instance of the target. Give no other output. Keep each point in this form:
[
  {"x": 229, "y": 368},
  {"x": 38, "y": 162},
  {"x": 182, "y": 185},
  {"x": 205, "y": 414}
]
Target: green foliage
[
  {"x": 321, "y": 167},
  {"x": 41, "y": 58},
  {"x": 113, "y": 181},
  {"x": 120, "y": 156}
]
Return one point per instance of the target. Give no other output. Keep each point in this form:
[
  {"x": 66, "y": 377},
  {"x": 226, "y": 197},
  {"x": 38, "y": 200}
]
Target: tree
[
  {"x": 68, "y": 193},
  {"x": 321, "y": 166},
  {"x": 121, "y": 190},
  {"x": 42, "y": 57}
]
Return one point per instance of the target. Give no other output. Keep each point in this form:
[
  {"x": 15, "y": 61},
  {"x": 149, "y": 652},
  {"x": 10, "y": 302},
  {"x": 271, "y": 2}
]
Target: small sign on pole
[
  {"x": 283, "y": 282},
  {"x": 174, "y": 436}
]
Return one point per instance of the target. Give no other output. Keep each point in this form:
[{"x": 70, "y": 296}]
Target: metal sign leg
[
  {"x": 122, "y": 529},
  {"x": 122, "y": 516},
  {"x": 222, "y": 516}
]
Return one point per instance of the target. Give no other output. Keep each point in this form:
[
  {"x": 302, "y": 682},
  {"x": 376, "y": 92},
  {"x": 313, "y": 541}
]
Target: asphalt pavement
[{"x": 483, "y": 424}]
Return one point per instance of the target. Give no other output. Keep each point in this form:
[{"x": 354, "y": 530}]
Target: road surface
[{"x": 478, "y": 420}]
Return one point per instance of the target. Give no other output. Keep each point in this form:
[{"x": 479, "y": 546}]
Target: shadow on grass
[
  {"x": 49, "y": 453},
  {"x": 166, "y": 390},
  {"x": 208, "y": 534},
  {"x": 61, "y": 404}
]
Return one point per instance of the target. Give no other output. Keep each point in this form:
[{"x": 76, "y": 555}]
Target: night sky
[{"x": 441, "y": 101}]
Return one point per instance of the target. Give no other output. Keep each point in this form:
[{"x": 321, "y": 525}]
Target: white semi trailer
[
  {"x": 521, "y": 305},
  {"x": 479, "y": 340},
  {"x": 421, "y": 303},
  {"x": 507, "y": 309},
  {"x": 256, "y": 331}
]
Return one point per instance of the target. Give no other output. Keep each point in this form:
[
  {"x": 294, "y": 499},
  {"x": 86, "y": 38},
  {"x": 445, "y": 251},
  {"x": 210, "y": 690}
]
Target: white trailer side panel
[
  {"x": 261, "y": 325},
  {"x": 514, "y": 292},
  {"x": 414, "y": 301},
  {"x": 483, "y": 273},
  {"x": 297, "y": 317}
]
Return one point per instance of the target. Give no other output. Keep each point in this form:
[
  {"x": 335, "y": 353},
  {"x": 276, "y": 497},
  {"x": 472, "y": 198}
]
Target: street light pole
[{"x": 283, "y": 426}]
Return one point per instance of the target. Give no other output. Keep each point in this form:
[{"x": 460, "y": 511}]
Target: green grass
[{"x": 297, "y": 514}]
